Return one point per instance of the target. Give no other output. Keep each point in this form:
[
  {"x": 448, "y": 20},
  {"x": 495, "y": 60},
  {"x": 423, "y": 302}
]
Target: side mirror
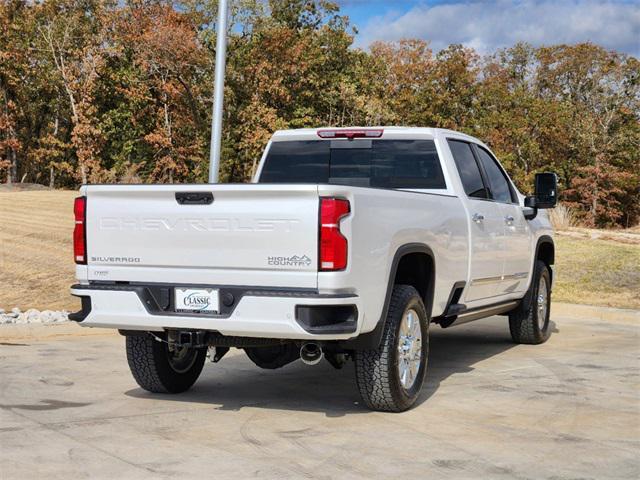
[
  {"x": 546, "y": 191},
  {"x": 545, "y": 194}
]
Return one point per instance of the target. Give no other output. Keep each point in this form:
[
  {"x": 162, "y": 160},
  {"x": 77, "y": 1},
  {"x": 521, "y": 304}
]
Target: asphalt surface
[{"x": 568, "y": 409}]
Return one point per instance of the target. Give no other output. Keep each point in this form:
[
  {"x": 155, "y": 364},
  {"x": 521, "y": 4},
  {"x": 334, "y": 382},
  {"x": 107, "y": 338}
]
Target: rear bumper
[{"x": 245, "y": 311}]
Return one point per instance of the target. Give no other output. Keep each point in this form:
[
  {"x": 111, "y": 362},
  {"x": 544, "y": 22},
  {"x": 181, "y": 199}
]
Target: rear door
[
  {"x": 247, "y": 235},
  {"x": 487, "y": 233}
]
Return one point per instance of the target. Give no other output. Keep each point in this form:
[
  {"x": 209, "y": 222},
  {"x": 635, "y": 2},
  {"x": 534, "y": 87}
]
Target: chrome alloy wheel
[
  {"x": 543, "y": 302},
  {"x": 409, "y": 348}
]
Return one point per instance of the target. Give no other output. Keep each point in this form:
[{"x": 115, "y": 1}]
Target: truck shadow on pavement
[{"x": 235, "y": 382}]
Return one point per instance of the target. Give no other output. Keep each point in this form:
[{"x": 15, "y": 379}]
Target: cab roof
[{"x": 380, "y": 132}]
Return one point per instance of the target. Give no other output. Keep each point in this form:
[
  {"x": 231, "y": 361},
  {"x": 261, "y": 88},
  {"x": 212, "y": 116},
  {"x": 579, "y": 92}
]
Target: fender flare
[
  {"x": 371, "y": 340},
  {"x": 544, "y": 239}
]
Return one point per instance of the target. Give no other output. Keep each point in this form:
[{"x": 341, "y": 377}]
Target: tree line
[{"x": 112, "y": 91}]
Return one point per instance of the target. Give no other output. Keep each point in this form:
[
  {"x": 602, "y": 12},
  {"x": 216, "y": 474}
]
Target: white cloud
[{"x": 486, "y": 26}]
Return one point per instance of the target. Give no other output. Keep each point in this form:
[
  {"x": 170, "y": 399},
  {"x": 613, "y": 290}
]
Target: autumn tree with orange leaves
[{"x": 107, "y": 91}]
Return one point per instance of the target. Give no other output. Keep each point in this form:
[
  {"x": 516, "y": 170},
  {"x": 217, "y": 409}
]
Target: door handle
[
  {"x": 509, "y": 219},
  {"x": 477, "y": 217}
]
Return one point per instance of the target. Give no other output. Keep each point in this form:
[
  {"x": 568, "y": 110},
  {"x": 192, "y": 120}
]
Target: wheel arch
[
  {"x": 412, "y": 264},
  {"x": 545, "y": 251}
]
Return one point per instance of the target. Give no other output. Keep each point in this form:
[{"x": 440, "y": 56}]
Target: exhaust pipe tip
[{"x": 311, "y": 353}]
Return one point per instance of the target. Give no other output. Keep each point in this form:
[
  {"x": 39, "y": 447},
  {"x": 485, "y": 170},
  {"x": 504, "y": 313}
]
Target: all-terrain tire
[
  {"x": 377, "y": 372},
  {"x": 150, "y": 364},
  {"x": 526, "y": 323}
]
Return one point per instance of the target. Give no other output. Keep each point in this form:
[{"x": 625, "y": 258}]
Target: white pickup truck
[{"x": 348, "y": 244}]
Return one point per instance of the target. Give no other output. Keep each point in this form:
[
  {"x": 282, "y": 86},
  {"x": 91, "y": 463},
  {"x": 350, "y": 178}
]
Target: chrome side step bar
[{"x": 478, "y": 313}]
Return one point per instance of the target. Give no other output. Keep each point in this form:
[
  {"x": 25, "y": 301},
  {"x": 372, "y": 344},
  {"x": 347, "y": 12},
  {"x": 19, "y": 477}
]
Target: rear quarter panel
[{"x": 381, "y": 222}]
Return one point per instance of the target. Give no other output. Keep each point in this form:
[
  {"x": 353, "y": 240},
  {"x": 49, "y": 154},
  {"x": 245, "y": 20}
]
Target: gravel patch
[{"x": 15, "y": 316}]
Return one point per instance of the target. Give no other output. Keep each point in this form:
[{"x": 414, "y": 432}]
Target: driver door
[{"x": 517, "y": 235}]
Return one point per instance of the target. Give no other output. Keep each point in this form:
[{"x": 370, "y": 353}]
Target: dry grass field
[
  {"x": 36, "y": 252},
  {"x": 36, "y": 260},
  {"x": 597, "y": 272}
]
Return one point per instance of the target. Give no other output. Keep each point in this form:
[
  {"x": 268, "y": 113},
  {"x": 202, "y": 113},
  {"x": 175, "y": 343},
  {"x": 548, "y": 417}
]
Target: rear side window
[
  {"x": 360, "y": 162},
  {"x": 468, "y": 169},
  {"x": 498, "y": 183}
]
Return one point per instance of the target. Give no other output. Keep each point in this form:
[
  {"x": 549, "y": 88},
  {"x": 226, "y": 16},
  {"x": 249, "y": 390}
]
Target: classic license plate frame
[{"x": 196, "y": 300}]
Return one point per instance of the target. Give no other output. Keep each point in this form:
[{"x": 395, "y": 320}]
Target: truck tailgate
[{"x": 263, "y": 235}]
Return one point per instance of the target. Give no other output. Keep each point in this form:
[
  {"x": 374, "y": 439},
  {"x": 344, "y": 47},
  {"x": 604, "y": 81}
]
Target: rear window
[{"x": 360, "y": 163}]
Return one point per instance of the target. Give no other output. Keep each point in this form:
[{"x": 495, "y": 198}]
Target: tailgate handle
[{"x": 194, "y": 198}]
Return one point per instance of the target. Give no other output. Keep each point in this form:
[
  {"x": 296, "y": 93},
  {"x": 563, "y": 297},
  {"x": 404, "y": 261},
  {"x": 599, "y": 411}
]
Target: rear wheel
[
  {"x": 390, "y": 378},
  {"x": 159, "y": 369},
  {"x": 529, "y": 323}
]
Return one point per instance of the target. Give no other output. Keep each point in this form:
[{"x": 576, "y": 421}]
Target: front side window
[
  {"x": 468, "y": 169},
  {"x": 499, "y": 185}
]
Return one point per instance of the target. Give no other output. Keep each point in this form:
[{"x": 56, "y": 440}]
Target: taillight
[
  {"x": 80, "y": 231},
  {"x": 333, "y": 246},
  {"x": 352, "y": 133}
]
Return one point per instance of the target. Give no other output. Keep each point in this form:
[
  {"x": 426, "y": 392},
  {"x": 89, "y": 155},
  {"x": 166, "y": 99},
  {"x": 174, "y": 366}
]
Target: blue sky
[{"x": 488, "y": 25}]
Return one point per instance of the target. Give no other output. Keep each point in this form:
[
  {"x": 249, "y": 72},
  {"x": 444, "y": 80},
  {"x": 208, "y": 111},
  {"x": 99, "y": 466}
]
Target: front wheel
[
  {"x": 159, "y": 369},
  {"x": 529, "y": 323},
  {"x": 390, "y": 378}
]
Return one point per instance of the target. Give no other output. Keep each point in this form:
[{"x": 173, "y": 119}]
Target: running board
[
  {"x": 455, "y": 310},
  {"x": 459, "y": 315}
]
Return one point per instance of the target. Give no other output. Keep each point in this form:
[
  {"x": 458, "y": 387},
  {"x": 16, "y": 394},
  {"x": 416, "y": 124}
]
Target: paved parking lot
[{"x": 568, "y": 409}]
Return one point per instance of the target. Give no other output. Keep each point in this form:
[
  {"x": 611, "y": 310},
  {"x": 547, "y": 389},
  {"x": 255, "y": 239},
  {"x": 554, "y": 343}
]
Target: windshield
[{"x": 360, "y": 163}]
